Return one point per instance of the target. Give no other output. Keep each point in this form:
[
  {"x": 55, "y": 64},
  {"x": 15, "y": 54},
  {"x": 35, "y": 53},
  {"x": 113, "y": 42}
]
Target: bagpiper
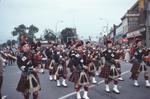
[
  {"x": 29, "y": 81},
  {"x": 119, "y": 55},
  {"x": 139, "y": 64},
  {"x": 60, "y": 64},
  {"x": 109, "y": 69},
  {"x": 79, "y": 71},
  {"x": 50, "y": 60},
  {"x": 90, "y": 61},
  {"x": 98, "y": 59},
  {"x": 37, "y": 56}
]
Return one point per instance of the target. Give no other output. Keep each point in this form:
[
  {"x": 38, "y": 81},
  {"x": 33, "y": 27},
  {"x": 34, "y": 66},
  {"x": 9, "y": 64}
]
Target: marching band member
[
  {"x": 118, "y": 57},
  {"x": 79, "y": 72},
  {"x": 60, "y": 63},
  {"x": 37, "y": 58},
  {"x": 1, "y": 74},
  {"x": 109, "y": 70},
  {"x": 98, "y": 60},
  {"x": 139, "y": 64},
  {"x": 127, "y": 55},
  {"x": 90, "y": 61},
  {"x": 29, "y": 81},
  {"x": 50, "y": 61}
]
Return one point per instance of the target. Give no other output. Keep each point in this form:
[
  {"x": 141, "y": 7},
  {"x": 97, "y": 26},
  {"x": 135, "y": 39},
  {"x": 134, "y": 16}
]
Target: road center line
[
  {"x": 3, "y": 97},
  {"x": 100, "y": 82}
]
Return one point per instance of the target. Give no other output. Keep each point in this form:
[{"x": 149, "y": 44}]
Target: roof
[{"x": 131, "y": 9}]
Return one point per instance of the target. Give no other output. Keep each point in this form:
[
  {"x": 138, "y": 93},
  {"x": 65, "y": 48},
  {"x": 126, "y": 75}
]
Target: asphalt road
[{"x": 50, "y": 91}]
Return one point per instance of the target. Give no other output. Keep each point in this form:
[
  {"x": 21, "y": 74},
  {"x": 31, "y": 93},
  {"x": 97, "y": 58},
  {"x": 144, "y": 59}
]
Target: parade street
[
  {"x": 73, "y": 49},
  {"x": 50, "y": 91}
]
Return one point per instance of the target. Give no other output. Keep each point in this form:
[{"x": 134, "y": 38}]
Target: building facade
[
  {"x": 147, "y": 10},
  {"x": 119, "y": 33},
  {"x": 133, "y": 24}
]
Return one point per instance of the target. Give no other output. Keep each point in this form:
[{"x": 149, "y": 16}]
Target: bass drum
[{"x": 147, "y": 60}]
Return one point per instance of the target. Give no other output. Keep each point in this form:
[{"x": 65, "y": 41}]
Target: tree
[
  {"x": 21, "y": 29},
  {"x": 13, "y": 42},
  {"x": 4, "y": 45},
  {"x": 67, "y": 34},
  {"x": 26, "y": 31},
  {"x": 49, "y": 35},
  {"x": 9, "y": 43},
  {"x": 31, "y": 31}
]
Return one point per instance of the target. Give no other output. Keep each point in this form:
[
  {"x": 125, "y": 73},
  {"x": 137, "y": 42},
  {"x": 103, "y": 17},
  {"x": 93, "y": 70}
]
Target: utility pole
[
  {"x": 56, "y": 30},
  {"x": 147, "y": 10}
]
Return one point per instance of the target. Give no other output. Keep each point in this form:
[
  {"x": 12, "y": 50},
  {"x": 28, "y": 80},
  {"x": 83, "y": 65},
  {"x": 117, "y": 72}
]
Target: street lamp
[
  {"x": 56, "y": 29},
  {"x": 56, "y": 26},
  {"x": 106, "y": 27}
]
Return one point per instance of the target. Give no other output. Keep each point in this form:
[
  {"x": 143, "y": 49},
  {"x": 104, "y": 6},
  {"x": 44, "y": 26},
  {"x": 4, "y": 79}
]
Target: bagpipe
[
  {"x": 147, "y": 55},
  {"x": 147, "y": 59}
]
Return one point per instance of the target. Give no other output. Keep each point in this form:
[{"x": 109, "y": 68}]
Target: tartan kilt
[
  {"x": 71, "y": 65},
  {"x": 92, "y": 70},
  {"x": 47, "y": 64},
  {"x": 53, "y": 71},
  {"x": 134, "y": 70},
  {"x": 62, "y": 73},
  {"x": 91, "y": 74},
  {"x": 97, "y": 64},
  {"x": 74, "y": 77},
  {"x": 105, "y": 71},
  {"x": 65, "y": 68},
  {"x": 118, "y": 66},
  {"x": 23, "y": 84}
]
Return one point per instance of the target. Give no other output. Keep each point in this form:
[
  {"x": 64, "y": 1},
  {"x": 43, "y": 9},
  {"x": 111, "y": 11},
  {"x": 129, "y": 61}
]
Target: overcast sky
[{"x": 85, "y": 15}]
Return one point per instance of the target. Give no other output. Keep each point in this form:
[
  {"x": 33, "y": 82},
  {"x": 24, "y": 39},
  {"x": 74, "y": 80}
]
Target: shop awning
[{"x": 135, "y": 33}]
